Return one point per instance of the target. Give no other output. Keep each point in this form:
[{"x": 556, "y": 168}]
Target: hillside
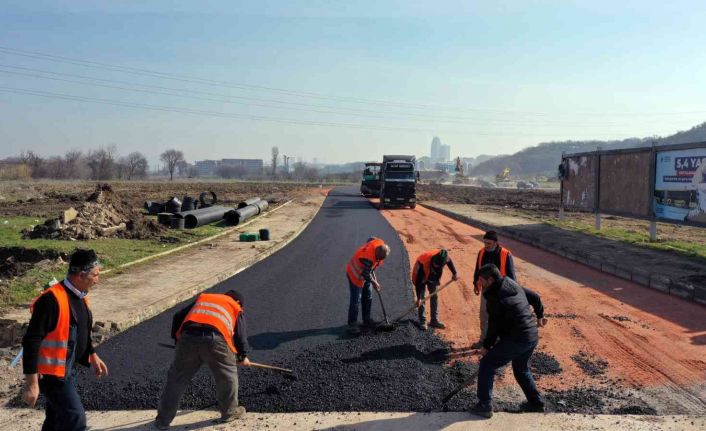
[{"x": 544, "y": 158}]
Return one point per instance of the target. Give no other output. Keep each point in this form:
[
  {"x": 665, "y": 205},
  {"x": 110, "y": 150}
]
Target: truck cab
[{"x": 398, "y": 181}]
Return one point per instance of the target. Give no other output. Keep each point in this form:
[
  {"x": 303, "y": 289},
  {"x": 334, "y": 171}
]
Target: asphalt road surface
[{"x": 296, "y": 304}]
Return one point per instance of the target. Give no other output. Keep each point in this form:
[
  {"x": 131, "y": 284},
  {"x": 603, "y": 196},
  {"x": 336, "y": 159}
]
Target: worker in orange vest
[
  {"x": 209, "y": 331},
  {"x": 57, "y": 339},
  {"x": 361, "y": 281},
  {"x": 426, "y": 275},
  {"x": 501, "y": 257}
]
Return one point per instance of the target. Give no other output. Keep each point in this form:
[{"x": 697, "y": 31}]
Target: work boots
[
  {"x": 353, "y": 329},
  {"x": 239, "y": 413},
  {"x": 482, "y": 409},
  {"x": 437, "y": 324}
]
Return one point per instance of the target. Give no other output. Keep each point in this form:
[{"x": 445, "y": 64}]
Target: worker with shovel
[
  {"x": 512, "y": 337},
  {"x": 426, "y": 275},
  {"x": 209, "y": 331},
  {"x": 361, "y": 281}
]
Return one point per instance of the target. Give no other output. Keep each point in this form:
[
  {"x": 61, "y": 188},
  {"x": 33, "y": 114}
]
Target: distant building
[
  {"x": 446, "y": 166},
  {"x": 249, "y": 165},
  {"x": 206, "y": 168},
  {"x": 435, "y": 149},
  {"x": 444, "y": 153}
]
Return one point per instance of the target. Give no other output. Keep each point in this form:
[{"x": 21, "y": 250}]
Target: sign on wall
[{"x": 680, "y": 185}]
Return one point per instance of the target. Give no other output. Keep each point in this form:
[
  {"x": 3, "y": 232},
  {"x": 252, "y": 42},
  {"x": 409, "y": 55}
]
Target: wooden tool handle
[
  {"x": 414, "y": 307},
  {"x": 270, "y": 367}
]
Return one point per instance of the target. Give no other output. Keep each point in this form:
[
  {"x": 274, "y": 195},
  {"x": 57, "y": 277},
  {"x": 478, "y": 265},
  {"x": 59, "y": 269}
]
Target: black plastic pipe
[
  {"x": 202, "y": 216},
  {"x": 247, "y": 202},
  {"x": 261, "y": 205}
]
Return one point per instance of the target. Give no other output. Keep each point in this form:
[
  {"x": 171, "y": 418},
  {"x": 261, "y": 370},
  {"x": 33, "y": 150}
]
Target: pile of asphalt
[
  {"x": 593, "y": 367},
  {"x": 596, "y": 401},
  {"x": 394, "y": 371},
  {"x": 543, "y": 363}
]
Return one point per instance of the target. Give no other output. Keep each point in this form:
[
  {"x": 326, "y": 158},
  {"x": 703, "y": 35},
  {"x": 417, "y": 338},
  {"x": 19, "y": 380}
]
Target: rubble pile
[{"x": 103, "y": 214}]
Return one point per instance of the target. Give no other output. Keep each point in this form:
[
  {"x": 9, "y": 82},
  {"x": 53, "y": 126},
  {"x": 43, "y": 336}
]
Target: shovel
[
  {"x": 414, "y": 307},
  {"x": 385, "y": 326},
  {"x": 459, "y": 388},
  {"x": 286, "y": 371}
]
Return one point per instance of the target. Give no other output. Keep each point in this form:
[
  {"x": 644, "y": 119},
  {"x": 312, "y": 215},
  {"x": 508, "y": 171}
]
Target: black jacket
[{"x": 509, "y": 314}]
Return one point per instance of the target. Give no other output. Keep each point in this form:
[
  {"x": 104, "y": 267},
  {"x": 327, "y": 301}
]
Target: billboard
[
  {"x": 579, "y": 182},
  {"x": 680, "y": 185},
  {"x": 624, "y": 183}
]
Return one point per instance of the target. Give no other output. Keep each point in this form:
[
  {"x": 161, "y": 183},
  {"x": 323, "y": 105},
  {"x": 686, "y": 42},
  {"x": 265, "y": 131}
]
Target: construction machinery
[
  {"x": 503, "y": 176},
  {"x": 398, "y": 181},
  {"x": 370, "y": 184}
]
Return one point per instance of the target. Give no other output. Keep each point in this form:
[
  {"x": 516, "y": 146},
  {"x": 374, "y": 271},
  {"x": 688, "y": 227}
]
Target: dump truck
[
  {"x": 398, "y": 181},
  {"x": 370, "y": 185}
]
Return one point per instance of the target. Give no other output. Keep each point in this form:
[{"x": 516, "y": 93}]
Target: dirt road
[{"x": 606, "y": 334}]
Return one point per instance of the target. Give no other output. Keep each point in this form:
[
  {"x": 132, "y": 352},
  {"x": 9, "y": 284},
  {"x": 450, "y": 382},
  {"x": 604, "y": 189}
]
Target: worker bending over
[
  {"x": 360, "y": 272},
  {"x": 209, "y": 331},
  {"x": 426, "y": 275},
  {"x": 494, "y": 253},
  {"x": 512, "y": 337}
]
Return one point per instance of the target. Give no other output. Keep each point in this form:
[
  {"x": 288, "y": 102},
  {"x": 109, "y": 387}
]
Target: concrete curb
[{"x": 656, "y": 281}]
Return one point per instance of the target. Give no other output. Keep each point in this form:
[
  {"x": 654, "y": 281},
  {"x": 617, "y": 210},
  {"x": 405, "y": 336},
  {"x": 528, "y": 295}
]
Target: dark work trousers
[
  {"x": 421, "y": 294},
  {"x": 64, "y": 411},
  {"x": 503, "y": 352},
  {"x": 195, "y": 348},
  {"x": 364, "y": 294}
]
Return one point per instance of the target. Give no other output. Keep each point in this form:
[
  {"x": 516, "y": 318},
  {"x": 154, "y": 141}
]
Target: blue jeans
[
  {"x": 357, "y": 294},
  {"x": 64, "y": 411},
  {"x": 502, "y": 353}
]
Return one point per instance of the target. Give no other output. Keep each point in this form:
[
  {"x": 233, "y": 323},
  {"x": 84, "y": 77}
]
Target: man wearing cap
[
  {"x": 426, "y": 275},
  {"x": 360, "y": 272},
  {"x": 58, "y": 338},
  {"x": 209, "y": 331},
  {"x": 501, "y": 257}
]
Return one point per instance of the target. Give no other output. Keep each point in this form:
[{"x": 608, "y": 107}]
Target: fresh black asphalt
[{"x": 296, "y": 304}]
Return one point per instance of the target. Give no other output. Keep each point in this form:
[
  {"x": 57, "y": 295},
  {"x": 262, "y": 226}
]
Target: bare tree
[
  {"x": 73, "y": 168},
  {"x": 134, "y": 165},
  {"x": 34, "y": 162},
  {"x": 172, "y": 158},
  {"x": 182, "y": 168},
  {"x": 101, "y": 162},
  {"x": 275, "y": 157}
]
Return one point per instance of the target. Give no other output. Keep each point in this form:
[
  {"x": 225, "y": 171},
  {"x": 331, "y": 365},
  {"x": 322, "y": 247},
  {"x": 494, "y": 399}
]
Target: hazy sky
[{"x": 344, "y": 80}]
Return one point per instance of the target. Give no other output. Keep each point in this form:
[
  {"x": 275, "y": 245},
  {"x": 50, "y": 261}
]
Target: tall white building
[{"x": 435, "y": 149}]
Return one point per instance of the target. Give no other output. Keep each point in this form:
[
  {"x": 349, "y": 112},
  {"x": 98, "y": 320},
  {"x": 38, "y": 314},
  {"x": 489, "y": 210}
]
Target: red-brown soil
[{"x": 653, "y": 343}]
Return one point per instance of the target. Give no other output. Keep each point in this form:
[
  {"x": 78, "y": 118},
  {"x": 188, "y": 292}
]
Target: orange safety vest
[
  {"x": 54, "y": 349},
  {"x": 354, "y": 269},
  {"x": 218, "y": 311},
  {"x": 425, "y": 261},
  {"x": 504, "y": 253}
]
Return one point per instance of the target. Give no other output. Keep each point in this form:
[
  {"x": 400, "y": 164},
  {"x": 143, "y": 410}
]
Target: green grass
[
  {"x": 113, "y": 252},
  {"x": 642, "y": 239}
]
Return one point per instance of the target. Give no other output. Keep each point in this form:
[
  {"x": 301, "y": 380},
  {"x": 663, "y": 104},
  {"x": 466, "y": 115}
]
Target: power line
[
  {"x": 215, "y": 114},
  {"x": 177, "y": 92},
  {"x": 250, "y": 87}
]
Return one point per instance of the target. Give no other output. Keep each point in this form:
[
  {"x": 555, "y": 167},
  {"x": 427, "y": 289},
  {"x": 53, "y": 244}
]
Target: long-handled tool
[
  {"x": 460, "y": 387},
  {"x": 383, "y": 326},
  {"x": 386, "y": 326},
  {"x": 427, "y": 298},
  {"x": 252, "y": 364}
]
